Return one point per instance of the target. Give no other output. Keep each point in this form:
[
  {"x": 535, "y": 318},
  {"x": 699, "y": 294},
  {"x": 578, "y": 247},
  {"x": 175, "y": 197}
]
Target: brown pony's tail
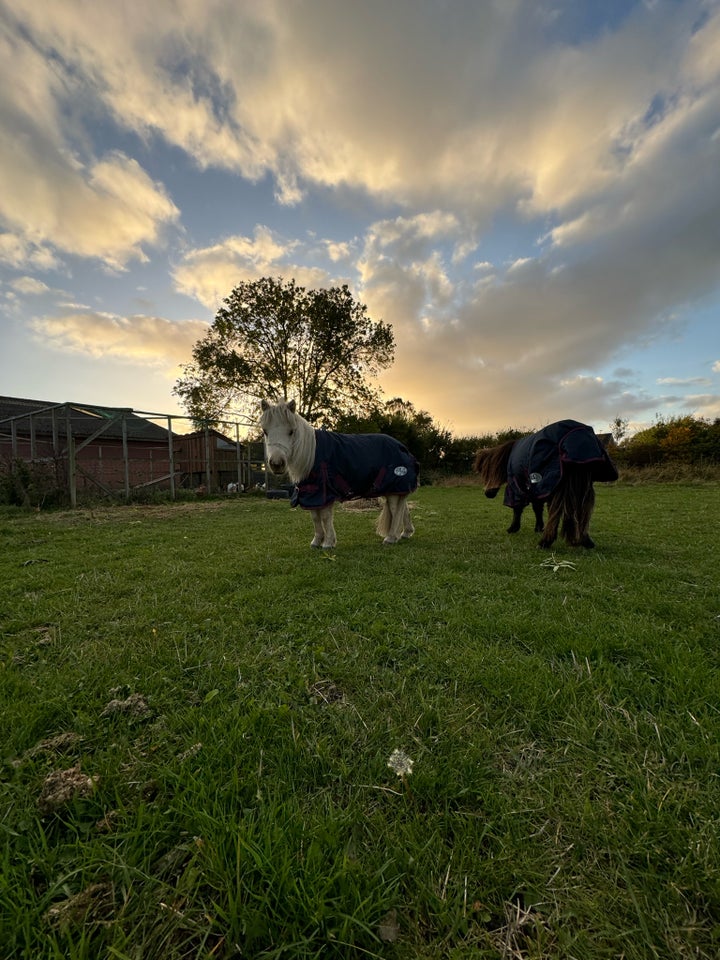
[{"x": 491, "y": 464}]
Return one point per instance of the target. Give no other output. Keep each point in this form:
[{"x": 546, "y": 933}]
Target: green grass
[{"x": 563, "y": 722}]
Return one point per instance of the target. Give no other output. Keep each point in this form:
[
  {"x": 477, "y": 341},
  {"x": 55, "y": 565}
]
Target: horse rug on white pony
[{"x": 351, "y": 466}]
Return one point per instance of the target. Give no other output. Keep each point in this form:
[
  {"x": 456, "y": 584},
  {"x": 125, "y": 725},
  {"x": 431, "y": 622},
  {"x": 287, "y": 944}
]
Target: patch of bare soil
[
  {"x": 135, "y": 707},
  {"x": 132, "y": 513},
  {"x": 62, "y": 786},
  {"x": 371, "y": 503}
]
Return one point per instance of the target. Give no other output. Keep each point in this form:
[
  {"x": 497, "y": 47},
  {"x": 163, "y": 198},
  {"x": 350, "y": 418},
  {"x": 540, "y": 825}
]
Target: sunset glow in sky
[{"x": 527, "y": 190}]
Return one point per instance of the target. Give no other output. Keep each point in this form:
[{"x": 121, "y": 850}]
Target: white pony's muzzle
[{"x": 277, "y": 461}]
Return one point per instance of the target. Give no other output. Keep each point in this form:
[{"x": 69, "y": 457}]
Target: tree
[
  {"x": 619, "y": 428},
  {"x": 273, "y": 339}
]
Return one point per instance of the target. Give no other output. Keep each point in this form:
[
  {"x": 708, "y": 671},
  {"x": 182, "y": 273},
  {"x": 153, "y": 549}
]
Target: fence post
[
  {"x": 72, "y": 480},
  {"x": 126, "y": 459},
  {"x": 208, "y": 474},
  {"x": 238, "y": 455},
  {"x": 55, "y": 433},
  {"x": 171, "y": 458}
]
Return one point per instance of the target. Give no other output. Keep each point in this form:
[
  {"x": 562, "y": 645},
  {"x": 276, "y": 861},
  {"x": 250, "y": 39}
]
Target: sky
[{"x": 528, "y": 191}]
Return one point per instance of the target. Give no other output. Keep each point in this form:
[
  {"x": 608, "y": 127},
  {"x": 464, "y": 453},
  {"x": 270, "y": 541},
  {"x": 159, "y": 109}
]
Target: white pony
[{"x": 328, "y": 466}]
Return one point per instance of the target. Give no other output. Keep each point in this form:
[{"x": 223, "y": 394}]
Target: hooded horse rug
[{"x": 537, "y": 462}]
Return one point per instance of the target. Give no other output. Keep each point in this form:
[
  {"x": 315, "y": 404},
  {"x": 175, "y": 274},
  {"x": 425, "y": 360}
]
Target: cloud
[
  {"x": 451, "y": 120},
  {"x": 455, "y": 105},
  {"x": 463, "y": 110},
  {"x": 20, "y": 253},
  {"x": 682, "y": 382},
  {"x": 107, "y": 211},
  {"x": 521, "y": 340},
  {"x": 209, "y": 274},
  {"x": 29, "y": 285},
  {"x": 705, "y": 405},
  {"x": 55, "y": 201},
  {"x": 338, "y": 252},
  {"x": 137, "y": 339}
]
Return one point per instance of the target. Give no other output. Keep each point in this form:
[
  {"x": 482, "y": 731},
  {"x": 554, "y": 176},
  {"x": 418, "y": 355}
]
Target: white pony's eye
[{"x": 292, "y": 432}]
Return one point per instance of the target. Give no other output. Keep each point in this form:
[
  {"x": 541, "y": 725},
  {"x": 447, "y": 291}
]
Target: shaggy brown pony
[{"x": 556, "y": 466}]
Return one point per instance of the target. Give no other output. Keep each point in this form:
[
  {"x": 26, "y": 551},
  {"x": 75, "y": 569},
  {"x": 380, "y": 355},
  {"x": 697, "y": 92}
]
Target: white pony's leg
[
  {"x": 329, "y": 538},
  {"x": 384, "y": 521},
  {"x": 408, "y": 527},
  {"x": 317, "y": 540}
]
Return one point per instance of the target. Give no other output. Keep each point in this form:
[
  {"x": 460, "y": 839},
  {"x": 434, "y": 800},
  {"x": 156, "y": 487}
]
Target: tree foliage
[
  {"x": 685, "y": 439},
  {"x": 415, "y": 428},
  {"x": 277, "y": 340}
]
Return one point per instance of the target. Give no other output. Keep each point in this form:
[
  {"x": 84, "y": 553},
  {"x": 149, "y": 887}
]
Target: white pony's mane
[{"x": 302, "y": 450}]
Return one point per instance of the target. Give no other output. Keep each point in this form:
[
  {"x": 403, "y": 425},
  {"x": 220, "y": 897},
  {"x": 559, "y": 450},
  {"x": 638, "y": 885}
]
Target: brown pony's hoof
[{"x": 587, "y": 542}]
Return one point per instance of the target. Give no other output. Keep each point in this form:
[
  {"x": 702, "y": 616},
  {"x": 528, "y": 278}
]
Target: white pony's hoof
[{"x": 389, "y": 542}]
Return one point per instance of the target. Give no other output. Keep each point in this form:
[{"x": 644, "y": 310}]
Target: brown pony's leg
[
  {"x": 537, "y": 506},
  {"x": 538, "y": 511},
  {"x": 517, "y": 515},
  {"x": 555, "y": 512}
]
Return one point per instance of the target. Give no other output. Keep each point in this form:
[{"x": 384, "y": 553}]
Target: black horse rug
[
  {"x": 537, "y": 462},
  {"x": 352, "y": 466}
]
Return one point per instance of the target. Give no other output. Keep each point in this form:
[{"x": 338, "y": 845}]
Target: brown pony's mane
[{"x": 491, "y": 464}]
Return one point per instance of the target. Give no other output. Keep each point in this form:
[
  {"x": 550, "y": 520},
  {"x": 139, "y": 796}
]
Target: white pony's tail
[{"x": 394, "y": 522}]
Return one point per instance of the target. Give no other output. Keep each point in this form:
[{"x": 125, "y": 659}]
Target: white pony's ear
[
  {"x": 291, "y": 406},
  {"x": 264, "y": 404}
]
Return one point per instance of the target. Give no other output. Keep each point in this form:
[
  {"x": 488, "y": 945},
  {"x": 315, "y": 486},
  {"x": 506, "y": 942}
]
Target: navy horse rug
[
  {"x": 352, "y": 466},
  {"x": 537, "y": 462}
]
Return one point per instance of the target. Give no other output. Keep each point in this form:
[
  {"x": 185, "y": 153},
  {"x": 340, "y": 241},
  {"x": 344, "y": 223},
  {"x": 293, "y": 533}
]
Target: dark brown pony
[{"x": 556, "y": 466}]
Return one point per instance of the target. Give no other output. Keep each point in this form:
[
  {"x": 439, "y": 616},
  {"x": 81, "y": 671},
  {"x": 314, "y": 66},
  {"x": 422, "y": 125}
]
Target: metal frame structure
[{"x": 61, "y": 432}]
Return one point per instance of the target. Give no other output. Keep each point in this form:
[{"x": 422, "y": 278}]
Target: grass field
[{"x": 198, "y": 713}]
